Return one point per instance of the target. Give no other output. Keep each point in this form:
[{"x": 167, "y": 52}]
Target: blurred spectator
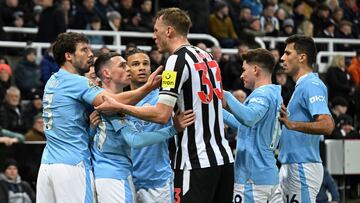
[
  {"x": 338, "y": 80},
  {"x": 10, "y": 10},
  {"x": 200, "y": 20},
  {"x": 104, "y": 50},
  {"x": 48, "y": 66},
  {"x": 350, "y": 10},
  {"x": 3, "y": 60},
  {"x": 339, "y": 106},
  {"x": 221, "y": 25},
  {"x": 5, "y": 80},
  {"x": 235, "y": 10},
  {"x": 11, "y": 117},
  {"x": 328, "y": 30},
  {"x": 27, "y": 73},
  {"x": 95, "y": 24},
  {"x": 288, "y": 28},
  {"x": 306, "y": 28},
  {"x": 103, "y": 7},
  {"x": 328, "y": 186},
  {"x": 12, "y": 188},
  {"x": 146, "y": 16},
  {"x": 36, "y": 133},
  {"x": 287, "y": 5},
  {"x": 33, "y": 108},
  {"x": 345, "y": 32},
  {"x": 354, "y": 68},
  {"x": 18, "y": 22},
  {"x": 156, "y": 58},
  {"x": 85, "y": 12},
  {"x": 253, "y": 30},
  {"x": 202, "y": 46},
  {"x": 129, "y": 15},
  {"x": 298, "y": 13},
  {"x": 255, "y": 6},
  {"x": 51, "y": 22},
  {"x": 320, "y": 15},
  {"x": 345, "y": 128},
  {"x": 114, "y": 23},
  {"x": 69, "y": 13},
  {"x": 243, "y": 22},
  {"x": 333, "y": 4},
  {"x": 281, "y": 15},
  {"x": 287, "y": 86},
  {"x": 337, "y": 16},
  {"x": 269, "y": 23}
]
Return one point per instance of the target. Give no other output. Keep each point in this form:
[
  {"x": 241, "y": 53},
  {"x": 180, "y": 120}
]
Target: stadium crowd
[{"x": 235, "y": 23}]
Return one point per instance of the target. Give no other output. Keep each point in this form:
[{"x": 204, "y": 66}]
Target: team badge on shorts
[{"x": 168, "y": 79}]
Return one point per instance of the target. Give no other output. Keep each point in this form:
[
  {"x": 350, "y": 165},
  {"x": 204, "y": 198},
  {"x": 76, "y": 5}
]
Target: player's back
[
  {"x": 67, "y": 101},
  {"x": 309, "y": 99},
  {"x": 196, "y": 84},
  {"x": 255, "y": 159}
]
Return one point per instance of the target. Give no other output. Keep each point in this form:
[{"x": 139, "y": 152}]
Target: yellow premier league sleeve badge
[{"x": 168, "y": 79}]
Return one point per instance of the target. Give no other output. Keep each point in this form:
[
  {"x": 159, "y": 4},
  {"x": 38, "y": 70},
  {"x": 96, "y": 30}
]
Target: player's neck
[
  {"x": 177, "y": 42},
  {"x": 262, "y": 82},
  {"x": 135, "y": 85},
  {"x": 302, "y": 71},
  {"x": 69, "y": 68},
  {"x": 113, "y": 88}
]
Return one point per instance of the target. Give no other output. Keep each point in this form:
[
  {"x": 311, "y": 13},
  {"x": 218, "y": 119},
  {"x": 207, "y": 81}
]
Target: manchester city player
[
  {"x": 256, "y": 173},
  {"x": 152, "y": 171},
  {"x": 305, "y": 119},
  {"x": 116, "y": 136},
  {"x": 65, "y": 171}
]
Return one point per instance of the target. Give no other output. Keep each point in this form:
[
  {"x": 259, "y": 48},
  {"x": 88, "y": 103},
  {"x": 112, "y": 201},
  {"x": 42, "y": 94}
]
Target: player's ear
[
  {"x": 302, "y": 58},
  {"x": 68, "y": 56}
]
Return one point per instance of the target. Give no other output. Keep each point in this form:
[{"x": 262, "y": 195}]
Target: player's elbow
[{"x": 162, "y": 119}]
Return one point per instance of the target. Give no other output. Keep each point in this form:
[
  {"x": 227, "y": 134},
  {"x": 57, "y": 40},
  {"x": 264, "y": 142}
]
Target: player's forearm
[
  {"x": 230, "y": 120},
  {"x": 137, "y": 139},
  {"x": 148, "y": 113},
  {"x": 320, "y": 127},
  {"x": 132, "y": 97}
]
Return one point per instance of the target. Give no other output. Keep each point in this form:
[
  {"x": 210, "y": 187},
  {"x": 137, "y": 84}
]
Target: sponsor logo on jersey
[{"x": 168, "y": 79}]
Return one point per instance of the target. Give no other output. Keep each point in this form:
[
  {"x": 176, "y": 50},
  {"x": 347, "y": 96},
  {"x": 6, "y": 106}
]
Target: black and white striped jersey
[{"x": 192, "y": 80}]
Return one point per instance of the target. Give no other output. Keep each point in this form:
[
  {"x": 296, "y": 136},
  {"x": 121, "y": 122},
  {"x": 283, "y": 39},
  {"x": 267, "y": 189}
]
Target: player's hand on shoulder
[{"x": 183, "y": 119}]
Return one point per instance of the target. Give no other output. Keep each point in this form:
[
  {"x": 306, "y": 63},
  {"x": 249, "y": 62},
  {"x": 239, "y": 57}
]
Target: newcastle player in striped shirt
[{"x": 203, "y": 163}]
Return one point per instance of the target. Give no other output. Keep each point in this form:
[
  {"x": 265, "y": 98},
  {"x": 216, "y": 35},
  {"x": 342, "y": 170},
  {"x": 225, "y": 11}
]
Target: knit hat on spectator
[
  {"x": 6, "y": 68},
  {"x": 328, "y": 23},
  {"x": 288, "y": 23},
  {"x": 10, "y": 162}
]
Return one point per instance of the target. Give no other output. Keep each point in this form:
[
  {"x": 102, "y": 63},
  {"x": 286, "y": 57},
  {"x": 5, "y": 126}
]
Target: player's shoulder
[{"x": 313, "y": 82}]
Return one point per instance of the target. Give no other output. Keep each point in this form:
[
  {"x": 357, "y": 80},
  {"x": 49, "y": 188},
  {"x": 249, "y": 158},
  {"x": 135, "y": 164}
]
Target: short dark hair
[
  {"x": 134, "y": 51},
  {"x": 102, "y": 60},
  {"x": 66, "y": 42},
  {"x": 262, "y": 57},
  {"x": 305, "y": 45},
  {"x": 176, "y": 18}
]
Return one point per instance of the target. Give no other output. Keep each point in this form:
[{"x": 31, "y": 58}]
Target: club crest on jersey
[
  {"x": 91, "y": 84},
  {"x": 168, "y": 79}
]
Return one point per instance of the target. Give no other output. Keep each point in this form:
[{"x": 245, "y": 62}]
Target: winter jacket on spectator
[
  {"x": 27, "y": 76},
  {"x": 11, "y": 118},
  {"x": 48, "y": 66},
  {"x": 51, "y": 23},
  {"x": 354, "y": 70},
  {"x": 339, "y": 83}
]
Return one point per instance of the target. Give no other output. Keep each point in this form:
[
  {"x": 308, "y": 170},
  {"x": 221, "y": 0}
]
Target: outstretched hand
[
  {"x": 183, "y": 119},
  {"x": 154, "y": 79},
  {"x": 109, "y": 106}
]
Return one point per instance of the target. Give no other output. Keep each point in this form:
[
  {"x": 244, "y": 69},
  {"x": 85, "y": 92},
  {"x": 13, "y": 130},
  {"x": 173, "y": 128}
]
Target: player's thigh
[
  {"x": 300, "y": 182},
  {"x": 253, "y": 193},
  {"x": 44, "y": 189},
  {"x": 156, "y": 195},
  {"x": 114, "y": 191},
  {"x": 72, "y": 183}
]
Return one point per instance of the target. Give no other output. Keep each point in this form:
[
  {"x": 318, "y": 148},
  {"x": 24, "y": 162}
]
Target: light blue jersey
[
  {"x": 67, "y": 100},
  {"x": 309, "y": 99},
  {"x": 113, "y": 142},
  {"x": 151, "y": 164},
  {"x": 258, "y": 134}
]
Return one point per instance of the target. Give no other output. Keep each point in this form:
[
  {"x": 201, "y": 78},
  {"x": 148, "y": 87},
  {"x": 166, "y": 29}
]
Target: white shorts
[
  {"x": 65, "y": 183},
  {"x": 156, "y": 195},
  {"x": 114, "y": 191},
  {"x": 301, "y": 182},
  {"x": 253, "y": 193}
]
